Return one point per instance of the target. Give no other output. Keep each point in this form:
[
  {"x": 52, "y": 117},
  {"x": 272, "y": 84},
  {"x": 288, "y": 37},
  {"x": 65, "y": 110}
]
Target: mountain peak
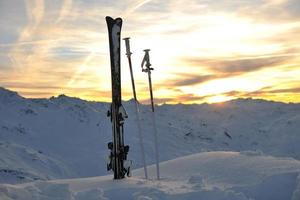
[
  {"x": 62, "y": 98},
  {"x": 7, "y": 91},
  {"x": 8, "y": 95}
]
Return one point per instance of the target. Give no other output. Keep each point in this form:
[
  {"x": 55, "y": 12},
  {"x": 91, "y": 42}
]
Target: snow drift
[{"x": 212, "y": 175}]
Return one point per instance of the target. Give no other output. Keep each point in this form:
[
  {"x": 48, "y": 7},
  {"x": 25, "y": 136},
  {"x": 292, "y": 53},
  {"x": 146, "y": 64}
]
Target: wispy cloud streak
[{"x": 65, "y": 10}]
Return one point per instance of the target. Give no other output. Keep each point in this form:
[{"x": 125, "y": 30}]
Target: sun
[{"x": 219, "y": 98}]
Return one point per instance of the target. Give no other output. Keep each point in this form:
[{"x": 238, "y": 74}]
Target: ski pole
[
  {"x": 128, "y": 54},
  {"x": 147, "y": 69}
]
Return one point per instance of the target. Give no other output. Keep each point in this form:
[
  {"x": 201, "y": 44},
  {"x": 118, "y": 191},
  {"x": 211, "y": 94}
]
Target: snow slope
[
  {"x": 210, "y": 175},
  {"x": 65, "y": 137}
]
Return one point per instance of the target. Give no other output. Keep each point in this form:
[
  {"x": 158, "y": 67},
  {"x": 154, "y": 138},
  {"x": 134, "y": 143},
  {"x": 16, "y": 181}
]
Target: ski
[
  {"x": 137, "y": 112},
  {"x": 118, "y": 155}
]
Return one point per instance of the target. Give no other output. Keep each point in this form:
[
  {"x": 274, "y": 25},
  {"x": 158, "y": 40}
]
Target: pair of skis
[
  {"x": 118, "y": 156},
  {"x": 117, "y": 113}
]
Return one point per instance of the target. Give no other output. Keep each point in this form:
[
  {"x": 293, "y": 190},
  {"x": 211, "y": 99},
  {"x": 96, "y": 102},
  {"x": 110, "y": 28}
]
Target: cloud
[
  {"x": 157, "y": 100},
  {"x": 263, "y": 92},
  {"x": 288, "y": 39},
  {"x": 65, "y": 10},
  {"x": 246, "y": 65},
  {"x": 43, "y": 89},
  {"x": 191, "y": 98},
  {"x": 136, "y": 5},
  {"x": 35, "y": 13},
  {"x": 293, "y": 8},
  {"x": 289, "y": 90},
  {"x": 223, "y": 69},
  {"x": 237, "y": 65},
  {"x": 183, "y": 98},
  {"x": 81, "y": 69},
  {"x": 187, "y": 80},
  {"x": 276, "y": 11},
  {"x": 266, "y": 91}
]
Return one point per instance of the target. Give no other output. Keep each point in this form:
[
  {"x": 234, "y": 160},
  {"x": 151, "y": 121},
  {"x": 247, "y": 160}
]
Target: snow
[
  {"x": 242, "y": 149},
  {"x": 211, "y": 175},
  {"x": 22, "y": 163}
]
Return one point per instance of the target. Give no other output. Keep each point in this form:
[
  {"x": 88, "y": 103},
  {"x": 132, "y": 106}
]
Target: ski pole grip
[
  {"x": 128, "y": 53},
  {"x": 147, "y": 59}
]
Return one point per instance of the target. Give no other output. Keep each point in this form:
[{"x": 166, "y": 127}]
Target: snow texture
[{"x": 212, "y": 175}]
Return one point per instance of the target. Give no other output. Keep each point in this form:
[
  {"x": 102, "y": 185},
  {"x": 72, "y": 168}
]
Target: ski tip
[
  {"x": 119, "y": 21},
  {"x": 110, "y": 19}
]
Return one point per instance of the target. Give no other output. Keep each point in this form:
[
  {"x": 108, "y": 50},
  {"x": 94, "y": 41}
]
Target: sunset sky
[{"x": 201, "y": 50}]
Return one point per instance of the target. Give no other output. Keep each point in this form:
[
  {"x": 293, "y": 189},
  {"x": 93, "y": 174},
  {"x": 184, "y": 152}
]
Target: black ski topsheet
[
  {"x": 114, "y": 32},
  {"x": 117, "y": 152}
]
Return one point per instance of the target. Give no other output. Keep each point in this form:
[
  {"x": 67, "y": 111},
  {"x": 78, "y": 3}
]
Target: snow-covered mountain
[{"x": 65, "y": 137}]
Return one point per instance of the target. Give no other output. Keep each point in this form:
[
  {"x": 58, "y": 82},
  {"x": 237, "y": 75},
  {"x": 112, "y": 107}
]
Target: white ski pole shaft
[
  {"x": 141, "y": 139},
  {"x": 128, "y": 53},
  {"x": 147, "y": 69},
  {"x": 154, "y": 127},
  {"x": 156, "y": 145}
]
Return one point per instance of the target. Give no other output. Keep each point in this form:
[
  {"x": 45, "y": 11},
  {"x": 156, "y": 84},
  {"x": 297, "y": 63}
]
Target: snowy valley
[{"x": 240, "y": 149}]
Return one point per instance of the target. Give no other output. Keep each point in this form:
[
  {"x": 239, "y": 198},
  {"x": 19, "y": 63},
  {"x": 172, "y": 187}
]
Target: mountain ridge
[
  {"x": 72, "y": 134},
  {"x": 64, "y": 96}
]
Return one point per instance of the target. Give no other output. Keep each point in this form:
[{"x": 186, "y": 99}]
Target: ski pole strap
[
  {"x": 146, "y": 61},
  {"x": 128, "y": 53}
]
